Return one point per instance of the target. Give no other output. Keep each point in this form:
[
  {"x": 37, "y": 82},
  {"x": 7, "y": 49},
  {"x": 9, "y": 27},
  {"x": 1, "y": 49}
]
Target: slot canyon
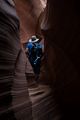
[{"x": 56, "y": 95}]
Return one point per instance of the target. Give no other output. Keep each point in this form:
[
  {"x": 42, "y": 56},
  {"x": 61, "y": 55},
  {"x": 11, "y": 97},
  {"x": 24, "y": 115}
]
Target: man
[{"x": 34, "y": 53}]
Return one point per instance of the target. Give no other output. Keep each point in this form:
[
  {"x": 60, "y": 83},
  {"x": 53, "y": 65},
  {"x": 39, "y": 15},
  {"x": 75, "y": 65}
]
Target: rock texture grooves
[{"x": 12, "y": 67}]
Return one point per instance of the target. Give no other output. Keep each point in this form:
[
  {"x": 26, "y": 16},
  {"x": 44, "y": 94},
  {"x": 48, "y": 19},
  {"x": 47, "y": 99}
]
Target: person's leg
[
  {"x": 36, "y": 69},
  {"x": 36, "y": 77}
]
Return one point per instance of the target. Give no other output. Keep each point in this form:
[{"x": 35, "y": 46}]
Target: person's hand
[{"x": 36, "y": 60}]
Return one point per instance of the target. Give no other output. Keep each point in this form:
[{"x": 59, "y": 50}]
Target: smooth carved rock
[
  {"x": 14, "y": 95},
  {"x": 60, "y": 27}
]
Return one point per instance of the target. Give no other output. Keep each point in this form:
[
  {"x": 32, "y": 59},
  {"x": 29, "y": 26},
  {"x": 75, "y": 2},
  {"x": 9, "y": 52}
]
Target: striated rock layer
[
  {"x": 28, "y": 11},
  {"x": 14, "y": 98}
]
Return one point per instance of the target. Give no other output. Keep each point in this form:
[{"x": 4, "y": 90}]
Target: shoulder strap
[{"x": 34, "y": 44}]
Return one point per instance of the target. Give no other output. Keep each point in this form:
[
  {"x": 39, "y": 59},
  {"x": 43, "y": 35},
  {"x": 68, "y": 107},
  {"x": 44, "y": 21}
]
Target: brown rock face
[
  {"x": 28, "y": 12},
  {"x": 60, "y": 27},
  {"x": 14, "y": 97}
]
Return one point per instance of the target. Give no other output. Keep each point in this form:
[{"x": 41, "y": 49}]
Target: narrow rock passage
[
  {"x": 41, "y": 97},
  {"x": 43, "y": 104}
]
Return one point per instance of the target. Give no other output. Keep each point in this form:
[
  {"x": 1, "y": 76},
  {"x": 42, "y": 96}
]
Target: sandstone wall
[
  {"x": 28, "y": 11},
  {"x": 60, "y": 27}
]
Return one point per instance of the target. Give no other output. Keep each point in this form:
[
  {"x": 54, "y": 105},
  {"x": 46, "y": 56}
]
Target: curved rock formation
[
  {"x": 14, "y": 95},
  {"x": 60, "y": 23},
  {"x": 60, "y": 27},
  {"x": 28, "y": 12}
]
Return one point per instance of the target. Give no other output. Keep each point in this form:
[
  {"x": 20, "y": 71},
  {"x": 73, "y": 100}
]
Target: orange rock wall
[{"x": 28, "y": 12}]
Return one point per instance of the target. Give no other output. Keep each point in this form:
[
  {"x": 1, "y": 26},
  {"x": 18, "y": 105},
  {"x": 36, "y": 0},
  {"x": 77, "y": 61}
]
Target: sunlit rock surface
[
  {"x": 28, "y": 11},
  {"x": 60, "y": 27},
  {"x": 17, "y": 101}
]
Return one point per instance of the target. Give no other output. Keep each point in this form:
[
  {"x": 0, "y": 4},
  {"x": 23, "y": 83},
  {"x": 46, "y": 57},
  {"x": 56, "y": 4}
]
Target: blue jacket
[{"x": 35, "y": 55}]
